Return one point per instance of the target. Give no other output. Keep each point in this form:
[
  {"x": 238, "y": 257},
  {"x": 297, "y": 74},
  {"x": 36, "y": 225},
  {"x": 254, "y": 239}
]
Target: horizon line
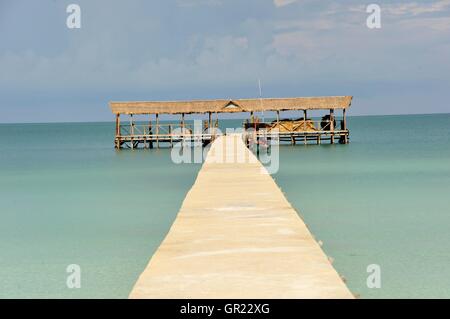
[{"x": 112, "y": 120}]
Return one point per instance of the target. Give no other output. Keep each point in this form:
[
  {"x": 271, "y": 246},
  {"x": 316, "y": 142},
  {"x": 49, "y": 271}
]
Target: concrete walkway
[{"x": 237, "y": 236}]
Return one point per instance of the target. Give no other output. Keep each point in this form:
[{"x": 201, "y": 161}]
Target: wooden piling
[
  {"x": 150, "y": 133},
  {"x": 132, "y": 131},
  {"x": 157, "y": 130},
  {"x": 117, "y": 139},
  {"x": 210, "y": 122},
  {"x": 332, "y": 126},
  {"x": 344, "y": 119}
]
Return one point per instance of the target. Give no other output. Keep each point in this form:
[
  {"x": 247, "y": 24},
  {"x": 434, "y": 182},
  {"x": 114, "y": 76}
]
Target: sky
[{"x": 200, "y": 49}]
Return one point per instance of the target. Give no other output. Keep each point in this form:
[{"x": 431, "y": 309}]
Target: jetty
[
  {"x": 237, "y": 236},
  {"x": 140, "y": 124}
]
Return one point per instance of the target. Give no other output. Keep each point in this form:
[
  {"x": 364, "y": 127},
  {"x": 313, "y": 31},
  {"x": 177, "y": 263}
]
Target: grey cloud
[{"x": 149, "y": 49}]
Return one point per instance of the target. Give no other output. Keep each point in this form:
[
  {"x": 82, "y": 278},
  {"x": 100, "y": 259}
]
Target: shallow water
[
  {"x": 67, "y": 197},
  {"x": 382, "y": 199}
]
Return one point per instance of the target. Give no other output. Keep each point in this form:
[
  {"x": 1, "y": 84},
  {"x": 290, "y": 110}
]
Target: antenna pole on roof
[{"x": 260, "y": 98}]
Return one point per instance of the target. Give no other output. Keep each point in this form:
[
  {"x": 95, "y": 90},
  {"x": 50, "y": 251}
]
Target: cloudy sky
[{"x": 185, "y": 49}]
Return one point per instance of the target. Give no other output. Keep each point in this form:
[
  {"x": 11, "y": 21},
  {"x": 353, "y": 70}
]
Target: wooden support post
[
  {"x": 182, "y": 129},
  {"x": 210, "y": 130},
  {"x": 216, "y": 125},
  {"x": 305, "y": 115},
  {"x": 170, "y": 134},
  {"x": 157, "y": 130},
  {"x": 117, "y": 124},
  {"x": 131, "y": 131},
  {"x": 209, "y": 120},
  {"x": 150, "y": 132},
  {"x": 117, "y": 139},
  {"x": 278, "y": 125},
  {"x": 332, "y": 126},
  {"x": 318, "y": 139},
  {"x": 344, "y": 120}
]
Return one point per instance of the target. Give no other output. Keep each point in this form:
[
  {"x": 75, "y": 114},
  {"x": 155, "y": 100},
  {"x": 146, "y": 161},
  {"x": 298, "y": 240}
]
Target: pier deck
[{"x": 237, "y": 236}]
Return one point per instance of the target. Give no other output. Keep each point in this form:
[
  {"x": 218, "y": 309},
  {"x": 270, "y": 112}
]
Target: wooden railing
[
  {"x": 297, "y": 126},
  {"x": 174, "y": 130}
]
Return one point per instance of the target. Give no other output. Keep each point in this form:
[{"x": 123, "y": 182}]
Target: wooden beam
[
  {"x": 131, "y": 130},
  {"x": 150, "y": 132},
  {"x": 157, "y": 130},
  {"x": 182, "y": 129},
  {"x": 304, "y": 126},
  {"x": 216, "y": 124},
  {"x": 117, "y": 124},
  {"x": 210, "y": 122},
  {"x": 332, "y": 126},
  {"x": 278, "y": 125},
  {"x": 344, "y": 121},
  {"x": 117, "y": 139}
]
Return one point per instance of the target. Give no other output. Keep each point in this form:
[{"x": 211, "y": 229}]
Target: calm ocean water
[
  {"x": 382, "y": 199},
  {"x": 67, "y": 197}
]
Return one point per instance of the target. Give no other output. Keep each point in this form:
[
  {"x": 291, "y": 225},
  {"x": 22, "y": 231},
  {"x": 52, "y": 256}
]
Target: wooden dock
[
  {"x": 145, "y": 129},
  {"x": 237, "y": 236}
]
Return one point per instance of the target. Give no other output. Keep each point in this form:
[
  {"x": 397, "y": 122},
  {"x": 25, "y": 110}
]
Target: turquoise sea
[
  {"x": 67, "y": 197},
  {"x": 382, "y": 199}
]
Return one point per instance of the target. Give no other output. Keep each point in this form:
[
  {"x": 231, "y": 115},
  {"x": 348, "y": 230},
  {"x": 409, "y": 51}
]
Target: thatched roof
[{"x": 231, "y": 106}]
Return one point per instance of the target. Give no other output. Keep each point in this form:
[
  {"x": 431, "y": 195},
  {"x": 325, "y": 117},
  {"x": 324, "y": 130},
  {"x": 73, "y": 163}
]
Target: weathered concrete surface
[{"x": 236, "y": 236}]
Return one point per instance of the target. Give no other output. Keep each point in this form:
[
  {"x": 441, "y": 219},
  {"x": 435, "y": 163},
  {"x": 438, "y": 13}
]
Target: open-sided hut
[{"x": 133, "y": 135}]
